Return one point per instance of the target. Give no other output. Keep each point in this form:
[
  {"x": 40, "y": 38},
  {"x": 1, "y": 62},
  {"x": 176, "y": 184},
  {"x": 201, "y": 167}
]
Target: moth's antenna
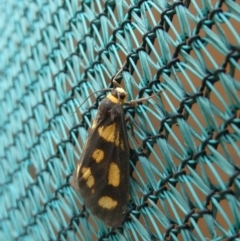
[
  {"x": 107, "y": 89},
  {"x": 131, "y": 102},
  {"x": 116, "y": 75}
]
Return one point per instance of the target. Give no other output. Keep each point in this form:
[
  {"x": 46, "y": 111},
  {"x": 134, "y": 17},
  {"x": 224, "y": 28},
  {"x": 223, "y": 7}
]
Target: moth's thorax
[{"x": 117, "y": 95}]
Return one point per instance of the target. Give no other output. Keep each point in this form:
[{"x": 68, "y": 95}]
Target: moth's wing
[
  {"x": 103, "y": 179},
  {"x": 84, "y": 158}
]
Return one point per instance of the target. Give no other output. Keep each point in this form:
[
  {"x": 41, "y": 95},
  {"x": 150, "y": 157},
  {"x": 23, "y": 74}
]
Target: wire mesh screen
[{"x": 184, "y": 154}]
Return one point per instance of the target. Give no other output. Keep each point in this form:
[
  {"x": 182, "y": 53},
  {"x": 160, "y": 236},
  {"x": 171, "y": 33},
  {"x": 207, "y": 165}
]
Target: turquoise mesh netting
[{"x": 185, "y": 164}]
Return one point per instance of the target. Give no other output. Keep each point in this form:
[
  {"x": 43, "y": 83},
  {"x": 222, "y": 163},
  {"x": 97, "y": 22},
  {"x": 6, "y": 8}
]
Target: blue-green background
[{"x": 185, "y": 181}]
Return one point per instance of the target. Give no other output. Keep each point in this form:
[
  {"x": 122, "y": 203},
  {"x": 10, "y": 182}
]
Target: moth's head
[{"x": 118, "y": 95}]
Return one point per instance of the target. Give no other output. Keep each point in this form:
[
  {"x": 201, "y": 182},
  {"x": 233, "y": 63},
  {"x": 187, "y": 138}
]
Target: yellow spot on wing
[
  {"x": 87, "y": 175},
  {"x": 107, "y": 202},
  {"x": 98, "y": 155},
  {"x": 108, "y": 132},
  {"x": 114, "y": 175},
  {"x": 90, "y": 181}
]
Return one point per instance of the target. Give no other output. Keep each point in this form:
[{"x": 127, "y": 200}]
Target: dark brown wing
[{"x": 103, "y": 172}]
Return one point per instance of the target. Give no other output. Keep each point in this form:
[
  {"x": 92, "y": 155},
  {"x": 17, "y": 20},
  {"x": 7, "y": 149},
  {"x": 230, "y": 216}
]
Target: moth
[{"x": 103, "y": 173}]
